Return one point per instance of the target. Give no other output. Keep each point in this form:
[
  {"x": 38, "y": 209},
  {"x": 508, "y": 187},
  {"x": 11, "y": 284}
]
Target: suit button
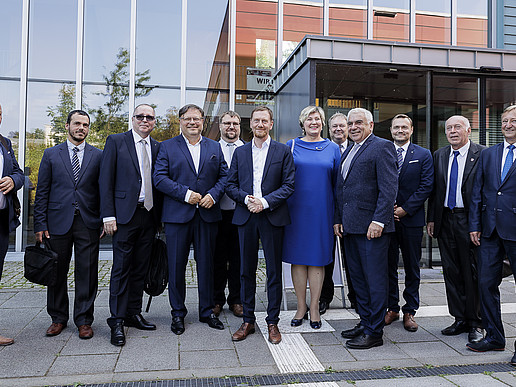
[{"x": 499, "y": 193}]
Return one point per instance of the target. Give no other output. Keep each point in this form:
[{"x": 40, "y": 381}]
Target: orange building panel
[
  {"x": 256, "y": 6},
  {"x": 348, "y": 22}
]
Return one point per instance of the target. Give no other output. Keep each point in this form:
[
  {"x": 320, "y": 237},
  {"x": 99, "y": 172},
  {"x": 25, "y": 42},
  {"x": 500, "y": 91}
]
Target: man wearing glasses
[
  {"x": 227, "y": 254},
  {"x": 130, "y": 209},
  {"x": 191, "y": 172}
]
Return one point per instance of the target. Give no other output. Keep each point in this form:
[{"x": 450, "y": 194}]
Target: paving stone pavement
[{"x": 202, "y": 352}]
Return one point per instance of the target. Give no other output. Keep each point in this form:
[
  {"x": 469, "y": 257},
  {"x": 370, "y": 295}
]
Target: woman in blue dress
[{"x": 308, "y": 240}]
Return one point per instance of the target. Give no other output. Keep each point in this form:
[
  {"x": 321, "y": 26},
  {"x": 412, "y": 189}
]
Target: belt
[{"x": 456, "y": 210}]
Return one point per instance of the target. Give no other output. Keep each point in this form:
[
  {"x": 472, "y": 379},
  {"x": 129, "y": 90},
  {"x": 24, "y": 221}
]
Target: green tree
[
  {"x": 168, "y": 126},
  {"x": 59, "y": 113}
]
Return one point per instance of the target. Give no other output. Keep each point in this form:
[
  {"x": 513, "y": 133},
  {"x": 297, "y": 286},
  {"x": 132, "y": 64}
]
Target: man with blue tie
[
  {"x": 366, "y": 192},
  {"x": 415, "y": 181},
  {"x": 492, "y": 225},
  {"x": 130, "y": 209},
  {"x": 447, "y": 220},
  {"x": 191, "y": 172},
  {"x": 67, "y": 212}
]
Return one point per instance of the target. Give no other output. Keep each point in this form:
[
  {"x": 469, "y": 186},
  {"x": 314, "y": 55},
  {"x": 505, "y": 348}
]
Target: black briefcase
[
  {"x": 156, "y": 280},
  {"x": 40, "y": 264}
]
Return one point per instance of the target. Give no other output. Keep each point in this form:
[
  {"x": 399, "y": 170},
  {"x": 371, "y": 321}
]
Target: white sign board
[{"x": 259, "y": 80}]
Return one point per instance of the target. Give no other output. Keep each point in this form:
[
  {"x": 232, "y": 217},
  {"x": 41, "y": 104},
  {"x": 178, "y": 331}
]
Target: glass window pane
[
  {"x": 53, "y": 39},
  {"x": 214, "y": 103},
  {"x": 10, "y": 31},
  {"x": 348, "y": 18},
  {"x": 391, "y": 20},
  {"x": 472, "y": 23},
  {"x": 500, "y": 93},
  {"x": 433, "y": 22},
  {"x": 300, "y": 20},
  {"x": 166, "y": 103},
  {"x": 10, "y": 101},
  {"x": 106, "y": 35},
  {"x": 160, "y": 57},
  {"x": 207, "y": 53}
]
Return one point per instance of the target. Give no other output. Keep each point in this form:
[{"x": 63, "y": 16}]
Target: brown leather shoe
[
  {"x": 5, "y": 341},
  {"x": 55, "y": 328},
  {"x": 217, "y": 309},
  {"x": 409, "y": 322},
  {"x": 244, "y": 330},
  {"x": 85, "y": 332},
  {"x": 237, "y": 309},
  {"x": 274, "y": 334},
  {"x": 391, "y": 316}
]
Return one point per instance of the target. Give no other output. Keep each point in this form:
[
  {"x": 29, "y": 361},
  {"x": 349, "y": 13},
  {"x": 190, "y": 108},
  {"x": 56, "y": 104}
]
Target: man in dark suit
[
  {"x": 366, "y": 192},
  {"x": 447, "y": 220},
  {"x": 338, "y": 125},
  {"x": 131, "y": 210},
  {"x": 191, "y": 172},
  {"x": 415, "y": 181},
  {"x": 11, "y": 181},
  {"x": 67, "y": 212},
  {"x": 227, "y": 253},
  {"x": 492, "y": 225},
  {"x": 260, "y": 181}
]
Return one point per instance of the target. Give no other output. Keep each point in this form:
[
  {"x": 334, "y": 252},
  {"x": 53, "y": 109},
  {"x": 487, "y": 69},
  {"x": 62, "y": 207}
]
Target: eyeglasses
[
  {"x": 228, "y": 124},
  {"x": 141, "y": 117},
  {"x": 194, "y": 119}
]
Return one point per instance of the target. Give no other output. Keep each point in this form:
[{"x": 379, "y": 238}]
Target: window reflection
[
  {"x": 433, "y": 22},
  {"x": 300, "y": 20},
  {"x": 391, "y": 20},
  {"x": 166, "y": 102},
  {"x": 472, "y": 23},
  {"x": 214, "y": 103},
  {"x": 10, "y": 31},
  {"x": 500, "y": 93},
  {"x": 348, "y": 18}
]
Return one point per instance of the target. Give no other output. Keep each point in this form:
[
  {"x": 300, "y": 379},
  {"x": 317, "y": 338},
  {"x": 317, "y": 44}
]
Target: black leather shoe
[
  {"x": 357, "y": 330},
  {"x": 137, "y": 321},
  {"x": 484, "y": 346},
  {"x": 213, "y": 321},
  {"x": 475, "y": 335},
  {"x": 295, "y": 322},
  {"x": 456, "y": 328},
  {"x": 117, "y": 335},
  {"x": 364, "y": 342},
  {"x": 178, "y": 325},
  {"x": 315, "y": 324},
  {"x": 323, "y": 306}
]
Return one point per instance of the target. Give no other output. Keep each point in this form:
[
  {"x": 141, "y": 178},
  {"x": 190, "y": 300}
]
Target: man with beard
[{"x": 67, "y": 213}]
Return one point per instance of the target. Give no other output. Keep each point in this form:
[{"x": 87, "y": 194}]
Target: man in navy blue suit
[
  {"x": 130, "y": 209},
  {"x": 492, "y": 225},
  {"x": 191, "y": 172},
  {"x": 67, "y": 212},
  {"x": 366, "y": 192},
  {"x": 415, "y": 181},
  {"x": 11, "y": 181},
  {"x": 260, "y": 181}
]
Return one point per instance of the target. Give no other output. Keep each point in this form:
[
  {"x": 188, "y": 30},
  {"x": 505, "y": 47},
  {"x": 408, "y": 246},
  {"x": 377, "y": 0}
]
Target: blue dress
[{"x": 308, "y": 239}]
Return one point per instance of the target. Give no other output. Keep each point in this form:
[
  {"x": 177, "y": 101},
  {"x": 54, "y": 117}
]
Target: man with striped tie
[
  {"x": 492, "y": 225},
  {"x": 67, "y": 213}
]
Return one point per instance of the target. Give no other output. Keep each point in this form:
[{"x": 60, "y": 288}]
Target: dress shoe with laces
[
  {"x": 85, "y": 332},
  {"x": 323, "y": 306},
  {"x": 409, "y": 323},
  {"x": 484, "y": 345},
  {"x": 212, "y": 321},
  {"x": 364, "y": 342},
  {"x": 217, "y": 309},
  {"x": 237, "y": 309},
  {"x": 117, "y": 334},
  {"x": 456, "y": 328},
  {"x": 274, "y": 333},
  {"x": 137, "y": 321},
  {"x": 475, "y": 335},
  {"x": 5, "y": 341},
  {"x": 178, "y": 325},
  {"x": 245, "y": 330},
  {"x": 391, "y": 316},
  {"x": 315, "y": 324},
  {"x": 55, "y": 328},
  {"x": 357, "y": 330}
]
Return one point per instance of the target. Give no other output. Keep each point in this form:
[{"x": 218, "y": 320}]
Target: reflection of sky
[
  {"x": 400, "y": 4},
  {"x": 10, "y": 33},
  {"x": 10, "y": 101},
  {"x": 469, "y": 7},
  {"x": 434, "y": 6},
  {"x": 40, "y": 95},
  {"x": 163, "y": 99},
  {"x": 350, "y": 2}
]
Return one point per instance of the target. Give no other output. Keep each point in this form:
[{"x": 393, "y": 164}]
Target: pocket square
[{"x": 413, "y": 161}]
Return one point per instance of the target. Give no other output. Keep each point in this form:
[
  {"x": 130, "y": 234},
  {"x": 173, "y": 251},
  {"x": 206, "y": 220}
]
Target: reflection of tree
[
  {"x": 59, "y": 113},
  {"x": 168, "y": 126}
]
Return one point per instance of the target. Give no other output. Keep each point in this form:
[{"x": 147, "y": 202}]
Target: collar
[
  {"x": 506, "y": 144},
  {"x": 462, "y": 151},
  {"x": 225, "y": 143},
  {"x": 81, "y": 146},
  {"x": 404, "y": 146},
  {"x": 267, "y": 143},
  {"x": 198, "y": 143},
  {"x": 364, "y": 140},
  {"x": 137, "y": 138}
]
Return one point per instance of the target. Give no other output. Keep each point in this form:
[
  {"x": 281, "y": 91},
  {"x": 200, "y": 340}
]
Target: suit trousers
[
  {"x": 368, "y": 268},
  {"x": 4, "y": 237},
  {"x": 491, "y": 254},
  {"x": 179, "y": 238},
  {"x": 258, "y": 227},
  {"x": 408, "y": 239},
  {"x": 226, "y": 261},
  {"x": 328, "y": 287},
  {"x": 132, "y": 246},
  {"x": 459, "y": 261},
  {"x": 85, "y": 243}
]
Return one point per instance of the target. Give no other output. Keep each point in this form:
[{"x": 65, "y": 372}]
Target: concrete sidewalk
[{"x": 305, "y": 356}]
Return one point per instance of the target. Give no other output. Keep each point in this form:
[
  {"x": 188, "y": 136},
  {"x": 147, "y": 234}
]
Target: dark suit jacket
[
  {"x": 441, "y": 160},
  {"x": 369, "y": 191},
  {"x": 175, "y": 174},
  {"x": 277, "y": 182},
  {"x": 493, "y": 203},
  {"x": 415, "y": 183},
  {"x": 11, "y": 169},
  {"x": 120, "y": 180},
  {"x": 57, "y": 191}
]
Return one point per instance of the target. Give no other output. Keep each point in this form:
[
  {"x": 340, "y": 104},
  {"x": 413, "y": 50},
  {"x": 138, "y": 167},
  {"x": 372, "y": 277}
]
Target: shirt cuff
[
  {"x": 109, "y": 219},
  {"x": 264, "y": 203},
  {"x": 188, "y": 194},
  {"x": 379, "y": 223},
  {"x": 246, "y": 200}
]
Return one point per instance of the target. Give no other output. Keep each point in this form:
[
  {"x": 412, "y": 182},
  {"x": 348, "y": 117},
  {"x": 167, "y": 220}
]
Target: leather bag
[
  {"x": 40, "y": 264},
  {"x": 156, "y": 280}
]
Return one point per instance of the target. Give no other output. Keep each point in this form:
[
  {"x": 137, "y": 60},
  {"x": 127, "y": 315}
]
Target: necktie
[
  {"x": 76, "y": 166},
  {"x": 452, "y": 193},
  {"x": 349, "y": 158},
  {"x": 508, "y": 161},
  {"x": 147, "y": 182},
  {"x": 342, "y": 149},
  {"x": 231, "y": 151},
  {"x": 400, "y": 159}
]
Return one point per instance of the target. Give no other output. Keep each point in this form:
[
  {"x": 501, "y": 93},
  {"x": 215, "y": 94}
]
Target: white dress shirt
[
  {"x": 259, "y": 157},
  {"x": 461, "y": 162},
  {"x": 504, "y": 154},
  {"x": 195, "y": 152},
  {"x": 342, "y": 146},
  {"x": 226, "y": 203},
  {"x": 405, "y": 150},
  {"x": 80, "y": 153}
]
